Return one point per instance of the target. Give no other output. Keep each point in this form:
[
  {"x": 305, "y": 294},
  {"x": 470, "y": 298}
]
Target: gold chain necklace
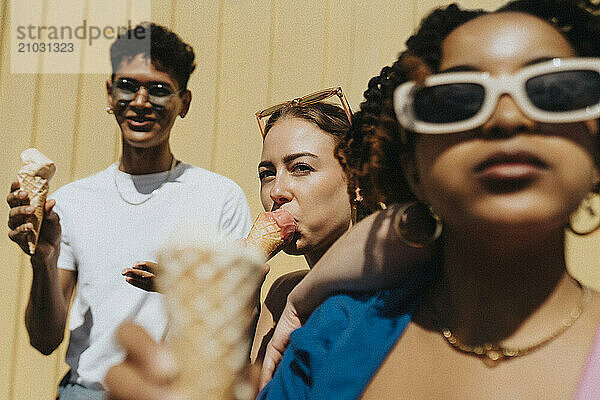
[
  {"x": 171, "y": 168},
  {"x": 493, "y": 353}
]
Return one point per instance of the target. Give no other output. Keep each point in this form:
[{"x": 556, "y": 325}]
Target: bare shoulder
[
  {"x": 271, "y": 312},
  {"x": 281, "y": 288}
]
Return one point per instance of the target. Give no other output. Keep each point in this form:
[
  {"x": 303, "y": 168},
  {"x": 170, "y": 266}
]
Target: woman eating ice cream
[{"x": 299, "y": 173}]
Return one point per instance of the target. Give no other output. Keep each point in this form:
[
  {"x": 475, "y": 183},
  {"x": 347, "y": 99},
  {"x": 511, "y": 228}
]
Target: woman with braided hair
[{"x": 489, "y": 123}]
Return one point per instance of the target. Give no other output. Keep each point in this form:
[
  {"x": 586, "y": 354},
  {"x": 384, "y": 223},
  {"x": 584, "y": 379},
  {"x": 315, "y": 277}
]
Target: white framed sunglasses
[{"x": 560, "y": 90}]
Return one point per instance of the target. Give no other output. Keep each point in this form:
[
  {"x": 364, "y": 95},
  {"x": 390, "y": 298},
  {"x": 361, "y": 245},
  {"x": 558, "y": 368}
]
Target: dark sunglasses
[{"x": 159, "y": 94}]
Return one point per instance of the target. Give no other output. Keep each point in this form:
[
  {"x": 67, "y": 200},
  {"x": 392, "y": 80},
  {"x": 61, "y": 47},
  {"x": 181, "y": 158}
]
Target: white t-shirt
[{"x": 102, "y": 234}]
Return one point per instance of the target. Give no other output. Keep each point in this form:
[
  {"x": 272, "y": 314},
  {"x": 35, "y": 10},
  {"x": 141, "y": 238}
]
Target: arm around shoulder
[{"x": 370, "y": 256}]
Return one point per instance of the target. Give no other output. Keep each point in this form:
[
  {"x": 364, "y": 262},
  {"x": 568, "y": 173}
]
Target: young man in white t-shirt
[{"x": 118, "y": 218}]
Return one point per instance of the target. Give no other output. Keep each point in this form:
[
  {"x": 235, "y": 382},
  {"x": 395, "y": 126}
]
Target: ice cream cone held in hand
[
  {"x": 34, "y": 175},
  {"x": 271, "y": 231},
  {"x": 210, "y": 288}
]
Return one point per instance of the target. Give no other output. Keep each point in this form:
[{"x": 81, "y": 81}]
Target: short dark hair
[{"x": 164, "y": 48}]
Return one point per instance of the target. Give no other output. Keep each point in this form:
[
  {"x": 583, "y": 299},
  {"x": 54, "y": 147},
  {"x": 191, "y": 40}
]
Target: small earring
[
  {"x": 357, "y": 196},
  {"x": 355, "y": 205},
  {"x": 417, "y": 225},
  {"x": 586, "y": 219},
  {"x": 108, "y": 110}
]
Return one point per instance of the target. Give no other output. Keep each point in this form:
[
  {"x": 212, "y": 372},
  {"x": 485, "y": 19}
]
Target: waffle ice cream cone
[
  {"x": 34, "y": 175},
  {"x": 271, "y": 231},
  {"x": 210, "y": 289}
]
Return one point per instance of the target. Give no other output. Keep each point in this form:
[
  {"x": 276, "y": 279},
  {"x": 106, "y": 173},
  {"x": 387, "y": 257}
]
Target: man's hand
[
  {"x": 48, "y": 245},
  {"x": 141, "y": 275}
]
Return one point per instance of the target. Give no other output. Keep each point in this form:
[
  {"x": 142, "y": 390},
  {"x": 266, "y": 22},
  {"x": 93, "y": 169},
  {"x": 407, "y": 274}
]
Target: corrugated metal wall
[{"x": 250, "y": 54}]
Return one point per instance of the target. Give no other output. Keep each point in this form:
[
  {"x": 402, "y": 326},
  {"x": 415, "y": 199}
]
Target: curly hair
[
  {"x": 374, "y": 146},
  {"x": 166, "y": 50}
]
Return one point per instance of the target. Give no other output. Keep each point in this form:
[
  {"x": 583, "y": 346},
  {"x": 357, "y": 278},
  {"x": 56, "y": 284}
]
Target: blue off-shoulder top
[{"x": 341, "y": 346}]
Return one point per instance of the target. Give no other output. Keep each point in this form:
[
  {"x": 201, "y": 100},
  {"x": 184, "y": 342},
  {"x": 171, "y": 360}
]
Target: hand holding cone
[
  {"x": 271, "y": 231},
  {"x": 34, "y": 175},
  {"x": 210, "y": 290}
]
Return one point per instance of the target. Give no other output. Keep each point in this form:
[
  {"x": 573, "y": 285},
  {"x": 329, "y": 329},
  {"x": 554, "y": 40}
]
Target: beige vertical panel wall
[{"x": 250, "y": 54}]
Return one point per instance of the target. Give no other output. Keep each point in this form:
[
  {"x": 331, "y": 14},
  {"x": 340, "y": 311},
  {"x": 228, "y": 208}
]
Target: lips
[
  {"x": 140, "y": 123},
  {"x": 510, "y": 166},
  {"x": 277, "y": 206}
]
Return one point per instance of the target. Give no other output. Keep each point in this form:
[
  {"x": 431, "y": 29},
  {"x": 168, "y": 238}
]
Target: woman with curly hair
[{"x": 489, "y": 123}]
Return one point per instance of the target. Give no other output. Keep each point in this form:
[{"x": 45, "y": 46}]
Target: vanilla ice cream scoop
[
  {"x": 37, "y": 164},
  {"x": 34, "y": 175}
]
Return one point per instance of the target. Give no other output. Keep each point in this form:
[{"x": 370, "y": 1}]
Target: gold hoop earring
[
  {"x": 108, "y": 110},
  {"x": 586, "y": 219},
  {"x": 355, "y": 204},
  {"x": 417, "y": 225}
]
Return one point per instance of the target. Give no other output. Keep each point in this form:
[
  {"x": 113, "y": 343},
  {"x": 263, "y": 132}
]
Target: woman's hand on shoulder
[{"x": 368, "y": 257}]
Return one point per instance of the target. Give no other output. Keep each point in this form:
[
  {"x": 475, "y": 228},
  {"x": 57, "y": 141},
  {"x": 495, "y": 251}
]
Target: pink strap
[{"x": 589, "y": 385}]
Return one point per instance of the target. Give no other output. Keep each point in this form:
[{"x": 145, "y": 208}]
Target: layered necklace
[
  {"x": 133, "y": 203},
  {"x": 492, "y": 354}
]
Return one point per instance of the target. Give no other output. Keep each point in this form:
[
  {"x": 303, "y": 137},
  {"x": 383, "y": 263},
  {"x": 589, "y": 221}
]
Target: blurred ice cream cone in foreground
[
  {"x": 271, "y": 231},
  {"x": 34, "y": 175},
  {"x": 210, "y": 289}
]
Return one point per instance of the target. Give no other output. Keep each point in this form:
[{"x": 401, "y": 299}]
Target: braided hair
[{"x": 373, "y": 149}]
